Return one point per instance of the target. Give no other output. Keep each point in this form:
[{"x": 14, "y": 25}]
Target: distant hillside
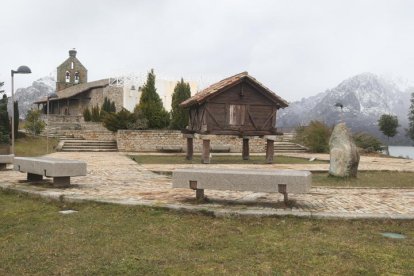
[
  {"x": 26, "y": 96},
  {"x": 365, "y": 98}
]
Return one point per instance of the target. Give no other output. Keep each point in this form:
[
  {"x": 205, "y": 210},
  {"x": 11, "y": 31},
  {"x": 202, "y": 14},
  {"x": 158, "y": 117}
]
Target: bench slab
[
  {"x": 244, "y": 180},
  {"x": 60, "y": 169}
]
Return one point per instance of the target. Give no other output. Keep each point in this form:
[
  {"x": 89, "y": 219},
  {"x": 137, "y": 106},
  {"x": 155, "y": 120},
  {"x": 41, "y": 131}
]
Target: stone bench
[
  {"x": 268, "y": 181},
  {"x": 6, "y": 159},
  {"x": 220, "y": 148},
  {"x": 60, "y": 169},
  {"x": 169, "y": 148}
]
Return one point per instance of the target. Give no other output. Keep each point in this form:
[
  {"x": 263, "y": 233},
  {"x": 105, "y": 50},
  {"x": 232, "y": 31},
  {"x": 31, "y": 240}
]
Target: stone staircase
[
  {"x": 289, "y": 147},
  {"x": 87, "y": 145}
]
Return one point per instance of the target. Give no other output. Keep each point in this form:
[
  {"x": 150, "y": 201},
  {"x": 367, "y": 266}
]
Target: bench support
[
  {"x": 246, "y": 152},
  {"x": 2, "y": 166},
  {"x": 34, "y": 177},
  {"x": 61, "y": 182},
  {"x": 205, "y": 159},
  {"x": 199, "y": 192},
  {"x": 189, "y": 155},
  {"x": 270, "y": 151},
  {"x": 282, "y": 190}
]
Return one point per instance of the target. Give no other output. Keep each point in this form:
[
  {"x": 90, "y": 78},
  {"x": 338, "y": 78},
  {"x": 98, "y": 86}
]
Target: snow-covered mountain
[
  {"x": 365, "y": 97},
  {"x": 26, "y": 96}
]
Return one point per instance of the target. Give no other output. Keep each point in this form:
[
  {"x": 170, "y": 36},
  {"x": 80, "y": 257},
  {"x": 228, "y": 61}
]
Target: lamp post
[
  {"x": 50, "y": 96},
  {"x": 21, "y": 70}
]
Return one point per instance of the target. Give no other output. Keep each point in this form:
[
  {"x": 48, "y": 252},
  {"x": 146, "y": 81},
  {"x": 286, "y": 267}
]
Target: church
[{"x": 74, "y": 93}]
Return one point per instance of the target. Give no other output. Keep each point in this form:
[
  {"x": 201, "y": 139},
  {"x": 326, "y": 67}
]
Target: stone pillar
[
  {"x": 246, "y": 152},
  {"x": 270, "y": 148},
  {"x": 190, "y": 146},
  {"x": 205, "y": 157},
  {"x": 34, "y": 177}
]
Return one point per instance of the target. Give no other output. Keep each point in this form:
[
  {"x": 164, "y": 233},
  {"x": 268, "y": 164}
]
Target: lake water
[{"x": 401, "y": 151}]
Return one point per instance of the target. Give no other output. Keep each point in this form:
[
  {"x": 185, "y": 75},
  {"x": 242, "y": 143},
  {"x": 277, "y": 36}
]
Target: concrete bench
[
  {"x": 268, "y": 181},
  {"x": 6, "y": 159},
  {"x": 60, "y": 169},
  {"x": 169, "y": 148}
]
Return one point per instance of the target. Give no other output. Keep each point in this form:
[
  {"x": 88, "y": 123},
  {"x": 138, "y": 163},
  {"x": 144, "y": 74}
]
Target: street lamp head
[{"x": 22, "y": 70}]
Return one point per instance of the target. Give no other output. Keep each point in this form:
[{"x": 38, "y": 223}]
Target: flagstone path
[{"x": 113, "y": 177}]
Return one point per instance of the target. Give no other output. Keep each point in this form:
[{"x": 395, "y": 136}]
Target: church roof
[
  {"x": 76, "y": 90},
  {"x": 222, "y": 85}
]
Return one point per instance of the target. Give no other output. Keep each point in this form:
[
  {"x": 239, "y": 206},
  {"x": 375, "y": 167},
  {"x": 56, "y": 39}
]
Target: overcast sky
[{"x": 296, "y": 48}]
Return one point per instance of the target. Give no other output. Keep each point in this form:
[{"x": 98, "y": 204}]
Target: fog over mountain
[
  {"x": 365, "y": 97},
  {"x": 26, "y": 96}
]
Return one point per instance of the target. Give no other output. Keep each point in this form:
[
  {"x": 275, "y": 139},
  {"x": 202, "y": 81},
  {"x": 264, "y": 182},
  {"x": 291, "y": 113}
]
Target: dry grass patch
[
  {"x": 103, "y": 239},
  {"x": 219, "y": 159},
  {"x": 34, "y": 146},
  {"x": 370, "y": 179}
]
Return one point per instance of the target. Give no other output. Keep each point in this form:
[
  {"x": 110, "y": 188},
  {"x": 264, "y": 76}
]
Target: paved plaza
[{"x": 113, "y": 177}]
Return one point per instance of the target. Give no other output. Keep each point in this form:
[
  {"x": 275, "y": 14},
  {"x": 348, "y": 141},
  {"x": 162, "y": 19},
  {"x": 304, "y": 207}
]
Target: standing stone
[{"x": 343, "y": 152}]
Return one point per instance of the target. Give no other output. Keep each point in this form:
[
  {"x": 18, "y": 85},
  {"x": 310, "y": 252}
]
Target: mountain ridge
[{"x": 365, "y": 97}]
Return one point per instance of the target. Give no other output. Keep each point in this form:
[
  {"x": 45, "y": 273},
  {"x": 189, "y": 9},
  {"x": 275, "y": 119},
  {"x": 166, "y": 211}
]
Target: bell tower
[{"x": 71, "y": 72}]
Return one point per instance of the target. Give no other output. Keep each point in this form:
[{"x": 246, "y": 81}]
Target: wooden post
[
  {"x": 199, "y": 192},
  {"x": 270, "y": 151},
  {"x": 245, "y": 153},
  {"x": 190, "y": 147},
  {"x": 205, "y": 158}
]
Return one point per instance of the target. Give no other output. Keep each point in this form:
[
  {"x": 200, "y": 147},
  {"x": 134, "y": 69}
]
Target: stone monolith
[{"x": 343, "y": 152}]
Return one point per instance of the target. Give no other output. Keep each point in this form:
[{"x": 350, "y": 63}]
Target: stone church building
[{"x": 74, "y": 93}]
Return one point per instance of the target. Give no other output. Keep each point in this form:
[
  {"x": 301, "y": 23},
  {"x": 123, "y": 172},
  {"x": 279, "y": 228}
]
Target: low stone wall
[
  {"x": 149, "y": 140},
  {"x": 91, "y": 135}
]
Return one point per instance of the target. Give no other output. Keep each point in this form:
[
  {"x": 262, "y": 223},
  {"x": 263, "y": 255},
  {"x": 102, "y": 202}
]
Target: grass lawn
[
  {"x": 34, "y": 146},
  {"x": 372, "y": 179},
  {"x": 103, "y": 239},
  {"x": 219, "y": 159}
]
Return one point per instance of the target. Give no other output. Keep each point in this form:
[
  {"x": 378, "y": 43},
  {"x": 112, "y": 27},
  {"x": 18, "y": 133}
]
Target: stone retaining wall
[
  {"x": 148, "y": 140},
  {"x": 91, "y": 135}
]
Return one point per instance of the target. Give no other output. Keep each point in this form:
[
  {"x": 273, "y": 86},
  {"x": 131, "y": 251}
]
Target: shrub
[
  {"x": 367, "y": 142},
  {"x": 315, "y": 136},
  {"x": 33, "y": 123},
  {"x": 125, "y": 120}
]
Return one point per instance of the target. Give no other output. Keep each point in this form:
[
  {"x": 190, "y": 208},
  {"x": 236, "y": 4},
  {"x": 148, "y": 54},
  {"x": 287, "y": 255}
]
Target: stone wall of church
[
  {"x": 114, "y": 94},
  {"x": 97, "y": 96}
]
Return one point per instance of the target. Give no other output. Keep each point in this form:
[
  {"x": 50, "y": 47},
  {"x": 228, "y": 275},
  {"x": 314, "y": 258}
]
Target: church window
[
  {"x": 76, "y": 77},
  {"x": 71, "y": 65},
  {"x": 67, "y": 76}
]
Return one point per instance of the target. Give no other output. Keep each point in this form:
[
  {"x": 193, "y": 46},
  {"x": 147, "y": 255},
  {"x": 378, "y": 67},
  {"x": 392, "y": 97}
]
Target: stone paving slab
[{"x": 115, "y": 178}]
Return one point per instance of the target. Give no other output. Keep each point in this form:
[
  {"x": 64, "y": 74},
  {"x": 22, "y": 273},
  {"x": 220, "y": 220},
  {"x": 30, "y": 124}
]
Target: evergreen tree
[
  {"x": 87, "y": 116},
  {"x": 410, "y": 130},
  {"x": 96, "y": 114},
  {"x": 112, "y": 107},
  {"x": 179, "y": 115},
  {"x": 16, "y": 119},
  {"x": 151, "y": 104},
  {"x": 4, "y": 119},
  {"x": 388, "y": 124}
]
